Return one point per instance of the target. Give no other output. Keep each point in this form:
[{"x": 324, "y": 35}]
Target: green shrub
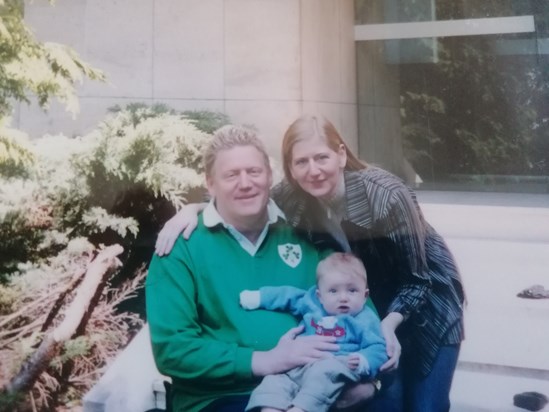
[{"x": 118, "y": 184}]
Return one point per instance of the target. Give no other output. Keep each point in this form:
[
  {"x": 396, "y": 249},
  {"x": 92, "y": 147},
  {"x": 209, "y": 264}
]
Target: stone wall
[{"x": 262, "y": 62}]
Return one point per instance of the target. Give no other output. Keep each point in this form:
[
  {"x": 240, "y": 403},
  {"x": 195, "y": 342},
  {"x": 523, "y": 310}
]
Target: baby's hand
[
  {"x": 250, "y": 299},
  {"x": 358, "y": 363},
  {"x": 353, "y": 361}
]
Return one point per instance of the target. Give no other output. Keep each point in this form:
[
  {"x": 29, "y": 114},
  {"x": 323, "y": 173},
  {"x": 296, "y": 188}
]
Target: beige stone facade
[{"x": 262, "y": 62}]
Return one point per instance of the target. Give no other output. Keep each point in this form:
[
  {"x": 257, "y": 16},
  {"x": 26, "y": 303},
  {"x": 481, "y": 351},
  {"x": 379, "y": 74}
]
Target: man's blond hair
[{"x": 230, "y": 136}]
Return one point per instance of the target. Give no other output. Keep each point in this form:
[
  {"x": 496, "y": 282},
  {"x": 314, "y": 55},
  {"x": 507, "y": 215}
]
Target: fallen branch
[
  {"x": 60, "y": 300},
  {"x": 13, "y": 335},
  {"x": 77, "y": 313},
  {"x": 6, "y": 319}
]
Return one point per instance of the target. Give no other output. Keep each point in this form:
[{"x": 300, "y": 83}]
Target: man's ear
[{"x": 210, "y": 186}]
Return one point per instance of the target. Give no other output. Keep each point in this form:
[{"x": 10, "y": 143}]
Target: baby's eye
[
  {"x": 332, "y": 291},
  {"x": 353, "y": 290}
]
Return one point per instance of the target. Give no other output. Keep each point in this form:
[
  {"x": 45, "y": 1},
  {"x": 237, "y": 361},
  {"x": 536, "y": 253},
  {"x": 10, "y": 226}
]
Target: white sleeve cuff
[
  {"x": 363, "y": 365},
  {"x": 250, "y": 299}
]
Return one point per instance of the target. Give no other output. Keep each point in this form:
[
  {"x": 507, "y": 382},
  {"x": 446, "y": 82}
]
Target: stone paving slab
[
  {"x": 501, "y": 244},
  {"x": 500, "y": 327},
  {"x": 485, "y": 392},
  {"x": 500, "y": 250}
]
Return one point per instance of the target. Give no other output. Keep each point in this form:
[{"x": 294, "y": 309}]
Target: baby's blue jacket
[{"x": 359, "y": 333}]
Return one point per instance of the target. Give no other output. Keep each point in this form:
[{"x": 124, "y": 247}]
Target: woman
[{"x": 340, "y": 202}]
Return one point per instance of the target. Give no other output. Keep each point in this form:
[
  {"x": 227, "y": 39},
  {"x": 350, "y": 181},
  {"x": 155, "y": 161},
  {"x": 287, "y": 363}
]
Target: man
[{"x": 214, "y": 351}]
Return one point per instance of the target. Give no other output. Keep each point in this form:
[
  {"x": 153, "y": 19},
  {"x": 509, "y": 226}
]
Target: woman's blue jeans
[{"x": 411, "y": 392}]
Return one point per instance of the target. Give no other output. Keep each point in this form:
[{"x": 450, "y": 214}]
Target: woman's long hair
[{"x": 315, "y": 126}]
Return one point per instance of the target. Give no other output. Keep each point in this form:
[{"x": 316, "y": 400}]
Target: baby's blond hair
[{"x": 341, "y": 262}]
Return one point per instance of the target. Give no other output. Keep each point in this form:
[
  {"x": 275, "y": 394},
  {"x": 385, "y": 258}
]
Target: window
[{"x": 455, "y": 94}]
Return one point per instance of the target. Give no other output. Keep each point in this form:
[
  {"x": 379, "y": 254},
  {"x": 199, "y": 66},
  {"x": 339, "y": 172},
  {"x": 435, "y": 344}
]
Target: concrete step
[
  {"x": 501, "y": 244},
  {"x": 507, "y": 339},
  {"x": 474, "y": 391},
  {"x": 500, "y": 327}
]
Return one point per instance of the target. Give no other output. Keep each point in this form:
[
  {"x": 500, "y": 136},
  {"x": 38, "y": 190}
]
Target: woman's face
[{"x": 317, "y": 168}]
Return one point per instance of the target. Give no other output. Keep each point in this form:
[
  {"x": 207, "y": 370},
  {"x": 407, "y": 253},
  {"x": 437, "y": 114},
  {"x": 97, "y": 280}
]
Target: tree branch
[{"x": 76, "y": 314}]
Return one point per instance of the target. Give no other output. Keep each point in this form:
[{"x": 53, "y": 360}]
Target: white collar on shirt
[{"x": 212, "y": 217}]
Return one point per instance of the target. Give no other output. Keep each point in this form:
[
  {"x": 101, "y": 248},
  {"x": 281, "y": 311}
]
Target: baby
[{"x": 334, "y": 307}]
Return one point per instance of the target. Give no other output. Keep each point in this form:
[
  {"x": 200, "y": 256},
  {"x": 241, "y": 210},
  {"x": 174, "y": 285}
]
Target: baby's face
[{"x": 342, "y": 293}]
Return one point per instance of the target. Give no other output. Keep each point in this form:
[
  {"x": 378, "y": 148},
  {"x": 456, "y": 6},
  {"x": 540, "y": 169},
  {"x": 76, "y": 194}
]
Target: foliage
[
  {"x": 15, "y": 155},
  {"x": 61, "y": 199},
  {"x": 138, "y": 111},
  {"x": 204, "y": 120},
  {"x": 45, "y": 70},
  {"x": 36, "y": 292},
  {"x": 118, "y": 184}
]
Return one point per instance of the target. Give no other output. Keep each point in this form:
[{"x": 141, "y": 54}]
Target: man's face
[{"x": 240, "y": 181}]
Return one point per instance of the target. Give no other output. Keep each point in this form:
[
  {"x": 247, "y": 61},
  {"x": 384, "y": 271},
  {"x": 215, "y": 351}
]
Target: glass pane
[
  {"x": 395, "y": 11},
  {"x": 464, "y": 112},
  {"x": 383, "y": 11}
]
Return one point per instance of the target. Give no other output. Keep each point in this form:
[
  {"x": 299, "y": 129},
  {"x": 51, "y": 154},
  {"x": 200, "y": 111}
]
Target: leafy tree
[
  {"x": 27, "y": 67},
  {"x": 45, "y": 70},
  {"x": 61, "y": 200},
  {"x": 115, "y": 185}
]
